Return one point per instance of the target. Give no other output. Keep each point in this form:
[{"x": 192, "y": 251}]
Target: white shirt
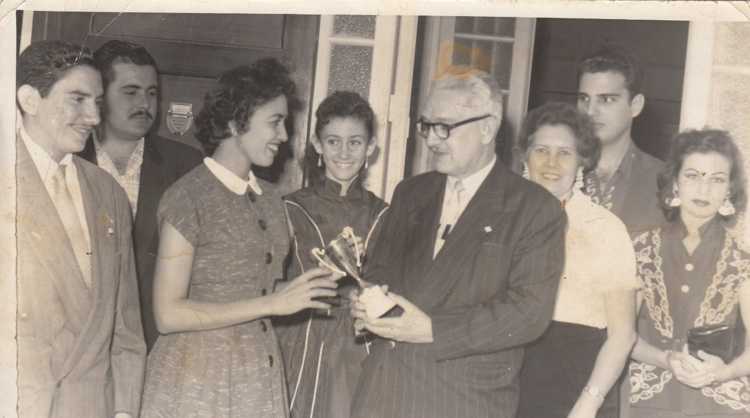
[
  {"x": 599, "y": 257},
  {"x": 234, "y": 183},
  {"x": 47, "y": 167},
  {"x": 131, "y": 179},
  {"x": 470, "y": 186}
]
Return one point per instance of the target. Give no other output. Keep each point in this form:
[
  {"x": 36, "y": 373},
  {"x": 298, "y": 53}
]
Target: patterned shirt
[
  {"x": 131, "y": 179},
  {"x": 631, "y": 193}
]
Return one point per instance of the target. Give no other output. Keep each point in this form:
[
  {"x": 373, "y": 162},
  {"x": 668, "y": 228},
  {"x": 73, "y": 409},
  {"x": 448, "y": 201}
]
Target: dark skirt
[{"x": 556, "y": 367}]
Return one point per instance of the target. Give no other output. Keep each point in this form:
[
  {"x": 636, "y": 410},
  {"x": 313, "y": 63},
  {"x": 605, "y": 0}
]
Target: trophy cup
[{"x": 344, "y": 256}]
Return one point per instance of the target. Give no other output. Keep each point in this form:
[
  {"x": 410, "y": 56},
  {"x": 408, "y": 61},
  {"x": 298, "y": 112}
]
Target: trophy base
[{"x": 376, "y": 302}]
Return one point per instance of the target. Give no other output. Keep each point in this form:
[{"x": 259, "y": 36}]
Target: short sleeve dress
[{"x": 240, "y": 244}]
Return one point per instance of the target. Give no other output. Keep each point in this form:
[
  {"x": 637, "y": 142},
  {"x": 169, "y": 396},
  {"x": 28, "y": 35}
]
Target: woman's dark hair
[
  {"x": 340, "y": 104},
  {"x": 240, "y": 91},
  {"x": 588, "y": 146},
  {"x": 702, "y": 141}
]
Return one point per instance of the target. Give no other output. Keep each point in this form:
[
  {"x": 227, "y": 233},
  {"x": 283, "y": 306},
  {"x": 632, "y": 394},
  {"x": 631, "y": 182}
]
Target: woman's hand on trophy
[{"x": 302, "y": 292}]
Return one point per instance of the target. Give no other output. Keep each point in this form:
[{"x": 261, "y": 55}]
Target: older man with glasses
[{"x": 473, "y": 258}]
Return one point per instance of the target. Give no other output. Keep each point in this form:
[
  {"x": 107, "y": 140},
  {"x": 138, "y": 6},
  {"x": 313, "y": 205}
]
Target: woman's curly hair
[{"x": 239, "y": 93}]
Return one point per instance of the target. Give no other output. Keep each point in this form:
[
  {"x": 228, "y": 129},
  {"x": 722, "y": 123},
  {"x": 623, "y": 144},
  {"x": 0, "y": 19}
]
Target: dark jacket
[
  {"x": 490, "y": 290},
  {"x": 164, "y": 161}
]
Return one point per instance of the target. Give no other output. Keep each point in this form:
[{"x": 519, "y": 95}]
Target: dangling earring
[
  {"x": 320, "y": 161},
  {"x": 367, "y": 163},
  {"x": 727, "y": 208},
  {"x": 578, "y": 185},
  {"x": 675, "y": 201},
  {"x": 525, "y": 173}
]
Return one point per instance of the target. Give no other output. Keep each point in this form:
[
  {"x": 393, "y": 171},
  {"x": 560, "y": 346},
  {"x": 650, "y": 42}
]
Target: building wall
[{"x": 729, "y": 99}]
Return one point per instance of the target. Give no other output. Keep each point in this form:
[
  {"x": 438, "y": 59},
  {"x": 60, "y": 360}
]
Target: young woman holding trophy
[
  {"x": 223, "y": 243},
  {"x": 334, "y": 213}
]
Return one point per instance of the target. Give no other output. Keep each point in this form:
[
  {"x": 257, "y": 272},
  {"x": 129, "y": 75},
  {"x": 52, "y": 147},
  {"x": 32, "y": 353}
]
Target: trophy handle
[
  {"x": 348, "y": 231},
  {"x": 320, "y": 256}
]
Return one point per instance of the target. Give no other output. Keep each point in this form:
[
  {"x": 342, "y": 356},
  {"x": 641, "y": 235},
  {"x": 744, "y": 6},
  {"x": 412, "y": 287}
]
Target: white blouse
[{"x": 599, "y": 257}]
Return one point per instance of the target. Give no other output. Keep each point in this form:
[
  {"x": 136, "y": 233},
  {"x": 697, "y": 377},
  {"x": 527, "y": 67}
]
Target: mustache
[{"x": 142, "y": 112}]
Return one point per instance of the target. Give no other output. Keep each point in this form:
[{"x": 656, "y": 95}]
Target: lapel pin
[
  {"x": 488, "y": 229},
  {"x": 110, "y": 225}
]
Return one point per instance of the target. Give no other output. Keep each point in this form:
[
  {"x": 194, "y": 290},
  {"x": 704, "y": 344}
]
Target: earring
[
  {"x": 320, "y": 161},
  {"x": 578, "y": 185},
  {"x": 367, "y": 163},
  {"x": 726, "y": 208},
  {"x": 525, "y": 173},
  {"x": 675, "y": 201}
]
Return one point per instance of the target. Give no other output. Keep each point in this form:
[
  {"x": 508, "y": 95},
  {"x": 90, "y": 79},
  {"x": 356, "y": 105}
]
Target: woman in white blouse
[{"x": 571, "y": 370}]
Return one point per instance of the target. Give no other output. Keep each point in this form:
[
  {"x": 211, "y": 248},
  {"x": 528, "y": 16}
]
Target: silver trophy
[{"x": 344, "y": 256}]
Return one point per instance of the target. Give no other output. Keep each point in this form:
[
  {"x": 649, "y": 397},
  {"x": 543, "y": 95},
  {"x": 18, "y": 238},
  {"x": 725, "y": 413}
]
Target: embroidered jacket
[{"x": 681, "y": 291}]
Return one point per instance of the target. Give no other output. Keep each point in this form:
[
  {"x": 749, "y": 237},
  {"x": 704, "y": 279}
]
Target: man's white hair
[{"x": 483, "y": 92}]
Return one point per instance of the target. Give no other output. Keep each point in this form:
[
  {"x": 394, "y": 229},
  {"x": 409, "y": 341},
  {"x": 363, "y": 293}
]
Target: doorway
[{"x": 660, "y": 47}]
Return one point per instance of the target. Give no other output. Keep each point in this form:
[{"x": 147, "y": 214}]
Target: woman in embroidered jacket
[
  {"x": 569, "y": 371},
  {"x": 223, "y": 242},
  {"x": 693, "y": 275},
  {"x": 321, "y": 353}
]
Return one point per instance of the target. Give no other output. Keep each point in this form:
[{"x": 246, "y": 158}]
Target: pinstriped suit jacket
[{"x": 489, "y": 291}]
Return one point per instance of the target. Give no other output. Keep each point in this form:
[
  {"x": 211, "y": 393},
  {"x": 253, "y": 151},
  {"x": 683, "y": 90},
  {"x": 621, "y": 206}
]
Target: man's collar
[
  {"x": 233, "y": 182},
  {"x": 40, "y": 156},
  {"x": 473, "y": 181}
]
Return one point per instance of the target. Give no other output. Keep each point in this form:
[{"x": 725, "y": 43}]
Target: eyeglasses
[{"x": 443, "y": 130}]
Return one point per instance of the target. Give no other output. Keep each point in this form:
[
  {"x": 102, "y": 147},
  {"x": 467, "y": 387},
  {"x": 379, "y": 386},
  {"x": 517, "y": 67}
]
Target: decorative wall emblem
[{"x": 179, "y": 117}]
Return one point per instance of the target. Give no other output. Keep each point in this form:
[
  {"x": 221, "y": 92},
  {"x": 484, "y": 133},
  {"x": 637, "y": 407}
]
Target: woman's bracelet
[{"x": 594, "y": 391}]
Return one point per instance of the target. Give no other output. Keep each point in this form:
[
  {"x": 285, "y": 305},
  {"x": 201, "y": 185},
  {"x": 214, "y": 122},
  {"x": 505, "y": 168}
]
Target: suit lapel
[
  {"x": 424, "y": 221},
  {"x": 102, "y": 234},
  {"x": 485, "y": 202},
  {"x": 50, "y": 240},
  {"x": 481, "y": 216}
]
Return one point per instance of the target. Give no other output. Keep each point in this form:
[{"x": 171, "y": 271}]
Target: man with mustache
[
  {"x": 144, "y": 164},
  {"x": 610, "y": 91},
  {"x": 81, "y": 352}
]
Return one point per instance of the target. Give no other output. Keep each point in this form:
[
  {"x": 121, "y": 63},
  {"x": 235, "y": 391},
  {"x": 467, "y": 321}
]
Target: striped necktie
[{"x": 452, "y": 213}]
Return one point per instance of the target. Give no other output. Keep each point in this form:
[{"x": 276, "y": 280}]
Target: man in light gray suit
[
  {"x": 473, "y": 254},
  {"x": 81, "y": 352}
]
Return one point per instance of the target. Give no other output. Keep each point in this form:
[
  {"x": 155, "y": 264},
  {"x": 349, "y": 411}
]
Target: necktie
[
  {"x": 452, "y": 213},
  {"x": 69, "y": 216}
]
